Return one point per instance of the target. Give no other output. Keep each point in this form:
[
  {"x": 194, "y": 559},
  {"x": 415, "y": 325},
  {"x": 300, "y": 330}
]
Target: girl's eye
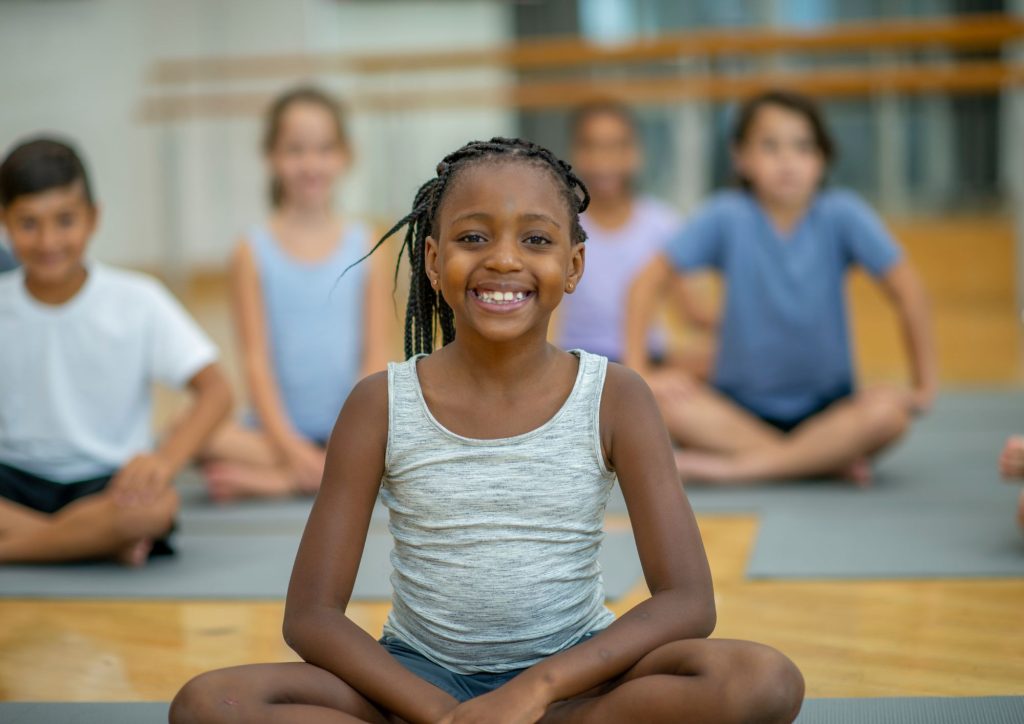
[
  {"x": 537, "y": 240},
  {"x": 27, "y": 224},
  {"x": 66, "y": 220},
  {"x": 471, "y": 238}
]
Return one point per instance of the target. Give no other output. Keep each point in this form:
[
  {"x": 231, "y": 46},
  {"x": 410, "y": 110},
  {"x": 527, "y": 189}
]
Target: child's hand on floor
[
  {"x": 306, "y": 461},
  {"x": 921, "y": 400},
  {"x": 1011, "y": 460},
  {"x": 141, "y": 480}
]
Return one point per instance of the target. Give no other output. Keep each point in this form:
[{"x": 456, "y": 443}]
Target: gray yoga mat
[
  {"x": 949, "y": 455},
  {"x": 234, "y": 566},
  {"x": 923, "y": 710},
  {"x": 918, "y": 710},
  {"x": 84, "y": 712},
  {"x": 922, "y": 539}
]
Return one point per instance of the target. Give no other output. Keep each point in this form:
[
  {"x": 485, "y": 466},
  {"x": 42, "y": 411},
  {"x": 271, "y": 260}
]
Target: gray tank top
[{"x": 496, "y": 541}]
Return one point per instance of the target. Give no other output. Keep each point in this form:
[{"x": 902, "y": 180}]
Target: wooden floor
[{"x": 850, "y": 638}]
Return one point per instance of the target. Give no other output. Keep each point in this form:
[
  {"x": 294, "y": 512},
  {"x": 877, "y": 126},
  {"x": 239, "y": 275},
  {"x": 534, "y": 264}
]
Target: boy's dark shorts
[{"x": 45, "y": 496}]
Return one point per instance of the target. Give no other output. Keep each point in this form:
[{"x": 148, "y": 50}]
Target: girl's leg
[
  {"x": 294, "y": 692},
  {"x": 707, "y": 420},
  {"x": 236, "y": 443},
  {"x": 696, "y": 681},
  {"x": 91, "y": 527},
  {"x": 832, "y": 442},
  {"x": 239, "y": 462}
]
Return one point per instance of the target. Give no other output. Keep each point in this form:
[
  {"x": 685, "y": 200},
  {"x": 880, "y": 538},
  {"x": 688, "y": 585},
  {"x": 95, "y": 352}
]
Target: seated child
[
  {"x": 495, "y": 455},
  {"x": 624, "y": 230},
  {"x": 783, "y": 402},
  {"x": 82, "y": 345},
  {"x": 308, "y": 330}
]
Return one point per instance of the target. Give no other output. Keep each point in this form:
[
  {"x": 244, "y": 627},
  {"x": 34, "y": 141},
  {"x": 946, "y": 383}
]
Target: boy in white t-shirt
[{"x": 81, "y": 345}]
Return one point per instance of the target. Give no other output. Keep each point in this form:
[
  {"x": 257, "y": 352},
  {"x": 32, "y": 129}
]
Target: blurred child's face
[
  {"x": 503, "y": 256},
  {"x": 606, "y": 155},
  {"x": 780, "y": 157},
  {"x": 49, "y": 232},
  {"x": 308, "y": 157}
]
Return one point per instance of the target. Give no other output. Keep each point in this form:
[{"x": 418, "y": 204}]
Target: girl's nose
[{"x": 505, "y": 255}]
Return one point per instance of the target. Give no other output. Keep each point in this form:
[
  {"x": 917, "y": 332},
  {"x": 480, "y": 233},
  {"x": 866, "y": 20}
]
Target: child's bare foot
[
  {"x": 859, "y": 473},
  {"x": 1011, "y": 460},
  {"x": 226, "y": 482},
  {"x": 136, "y": 554}
]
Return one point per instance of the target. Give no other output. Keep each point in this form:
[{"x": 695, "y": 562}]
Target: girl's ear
[
  {"x": 576, "y": 264},
  {"x": 430, "y": 262}
]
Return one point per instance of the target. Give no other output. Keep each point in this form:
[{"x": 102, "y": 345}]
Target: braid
[{"x": 427, "y": 309}]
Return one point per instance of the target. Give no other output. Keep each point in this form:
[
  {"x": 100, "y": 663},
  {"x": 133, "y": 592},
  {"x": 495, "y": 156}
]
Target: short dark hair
[
  {"x": 790, "y": 101},
  {"x": 602, "y": 107},
  {"x": 39, "y": 165}
]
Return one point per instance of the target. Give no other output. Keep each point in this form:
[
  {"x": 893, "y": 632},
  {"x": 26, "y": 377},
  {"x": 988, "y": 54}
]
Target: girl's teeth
[{"x": 501, "y": 297}]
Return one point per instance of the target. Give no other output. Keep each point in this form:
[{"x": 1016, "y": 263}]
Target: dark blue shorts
[
  {"x": 462, "y": 686},
  {"x": 46, "y": 496}
]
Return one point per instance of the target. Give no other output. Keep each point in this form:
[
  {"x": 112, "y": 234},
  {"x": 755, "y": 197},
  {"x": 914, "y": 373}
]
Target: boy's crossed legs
[
  {"x": 698, "y": 680},
  {"x": 725, "y": 443},
  {"x": 94, "y": 526}
]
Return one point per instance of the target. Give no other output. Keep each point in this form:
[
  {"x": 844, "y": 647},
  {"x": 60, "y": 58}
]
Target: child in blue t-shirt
[{"x": 784, "y": 402}]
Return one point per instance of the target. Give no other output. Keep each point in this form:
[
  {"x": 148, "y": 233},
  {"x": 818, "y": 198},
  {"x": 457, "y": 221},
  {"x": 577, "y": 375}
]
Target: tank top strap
[{"x": 585, "y": 412}]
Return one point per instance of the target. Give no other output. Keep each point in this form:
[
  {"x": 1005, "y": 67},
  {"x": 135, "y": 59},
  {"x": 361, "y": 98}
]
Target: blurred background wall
[{"x": 945, "y": 167}]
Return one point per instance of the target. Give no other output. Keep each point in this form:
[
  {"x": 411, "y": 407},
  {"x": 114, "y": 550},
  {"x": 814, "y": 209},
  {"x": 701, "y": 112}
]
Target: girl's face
[
  {"x": 779, "y": 157},
  {"x": 503, "y": 256},
  {"x": 307, "y": 157},
  {"x": 49, "y": 231},
  {"x": 606, "y": 155}
]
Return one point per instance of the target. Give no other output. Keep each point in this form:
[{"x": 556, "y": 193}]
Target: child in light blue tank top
[
  {"x": 494, "y": 453},
  {"x": 308, "y": 329},
  {"x": 784, "y": 403}
]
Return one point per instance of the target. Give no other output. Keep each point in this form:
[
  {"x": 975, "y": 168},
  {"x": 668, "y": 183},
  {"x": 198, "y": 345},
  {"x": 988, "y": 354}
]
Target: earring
[{"x": 570, "y": 286}]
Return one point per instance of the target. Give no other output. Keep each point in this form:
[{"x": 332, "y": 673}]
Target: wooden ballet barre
[
  {"x": 955, "y": 78},
  {"x": 974, "y": 32}
]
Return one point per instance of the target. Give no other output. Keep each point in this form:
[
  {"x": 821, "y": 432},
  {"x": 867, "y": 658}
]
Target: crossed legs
[
  {"x": 685, "y": 681},
  {"x": 725, "y": 443}
]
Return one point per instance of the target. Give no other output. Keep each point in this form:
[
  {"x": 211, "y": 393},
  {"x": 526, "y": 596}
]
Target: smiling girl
[{"x": 495, "y": 455}]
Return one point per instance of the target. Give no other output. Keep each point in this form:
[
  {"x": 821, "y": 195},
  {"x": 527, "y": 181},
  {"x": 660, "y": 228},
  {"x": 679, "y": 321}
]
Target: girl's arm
[
  {"x": 315, "y": 624},
  {"x": 379, "y": 318},
  {"x": 906, "y": 292},
  {"x": 251, "y": 326},
  {"x": 675, "y": 566}
]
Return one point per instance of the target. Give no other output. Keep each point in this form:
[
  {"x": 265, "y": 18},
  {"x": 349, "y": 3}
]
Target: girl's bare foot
[
  {"x": 231, "y": 481},
  {"x": 1011, "y": 460},
  {"x": 136, "y": 554}
]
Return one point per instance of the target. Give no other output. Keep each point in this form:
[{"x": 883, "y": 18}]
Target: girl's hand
[
  {"x": 141, "y": 480},
  {"x": 513, "y": 703},
  {"x": 307, "y": 463}
]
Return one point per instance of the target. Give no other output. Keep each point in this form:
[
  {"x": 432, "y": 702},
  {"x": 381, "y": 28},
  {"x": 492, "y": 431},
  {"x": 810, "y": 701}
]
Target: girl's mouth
[{"x": 500, "y": 300}]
